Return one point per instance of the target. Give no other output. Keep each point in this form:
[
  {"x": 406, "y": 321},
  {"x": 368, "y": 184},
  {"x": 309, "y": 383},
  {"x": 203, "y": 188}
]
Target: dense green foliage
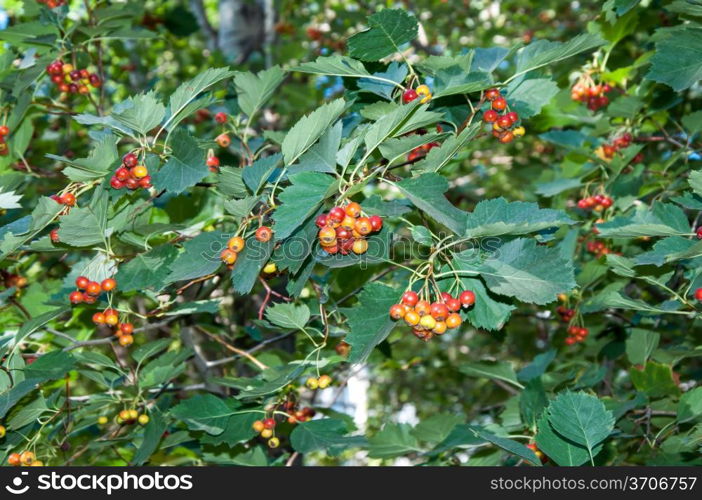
[{"x": 574, "y": 225}]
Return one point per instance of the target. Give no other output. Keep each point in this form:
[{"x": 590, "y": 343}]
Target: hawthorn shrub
[{"x": 187, "y": 280}]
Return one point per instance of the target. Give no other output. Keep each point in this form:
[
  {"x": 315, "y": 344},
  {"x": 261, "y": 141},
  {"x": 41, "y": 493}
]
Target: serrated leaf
[
  {"x": 257, "y": 174},
  {"x": 455, "y": 80},
  {"x": 438, "y": 158},
  {"x": 527, "y": 96},
  {"x": 140, "y": 113},
  {"x": 146, "y": 351},
  {"x": 369, "y": 321},
  {"x": 500, "y": 371},
  {"x": 387, "y": 31},
  {"x": 249, "y": 264},
  {"x": 328, "y": 435},
  {"x": 309, "y": 128},
  {"x": 288, "y": 315},
  {"x": 559, "y": 449},
  {"x": 102, "y": 158},
  {"x": 640, "y": 345},
  {"x": 322, "y": 156},
  {"x": 382, "y": 82},
  {"x": 254, "y": 90},
  {"x": 392, "y": 441},
  {"x": 655, "y": 379},
  {"x": 184, "y": 168},
  {"x": 690, "y": 405},
  {"x": 299, "y": 201},
  {"x": 147, "y": 270},
  {"x": 509, "y": 445},
  {"x": 153, "y": 433},
  {"x": 32, "y": 325},
  {"x": 542, "y": 52},
  {"x": 83, "y": 227},
  {"x": 581, "y": 418},
  {"x": 188, "y": 91},
  {"x": 205, "y": 412},
  {"x": 530, "y": 273},
  {"x": 677, "y": 61},
  {"x": 498, "y": 217},
  {"x": 436, "y": 428},
  {"x": 199, "y": 258},
  {"x": 335, "y": 65},
  {"x": 663, "y": 219},
  {"x": 426, "y": 192}
]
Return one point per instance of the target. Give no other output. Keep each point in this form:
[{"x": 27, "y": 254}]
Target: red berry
[
  {"x": 268, "y": 423},
  {"x": 698, "y": 294},
  {"x": 108, "y": 284},
  {"x": 98, "y": 318},
  {"x": 126, "y": 328},
  {"x": 68, "y": 199},
  {"x": 397, "y": 311},
  {"x": 264, "y": 234},
  {"x": 492, "y": 94},
  {"x": 213, "y": 161},
  {"x": 130, "y": 160},
  {"x": 439, "y": 311},
  {"x": 410, "y": 298},
  {"x": 116, "y": 183},
  {"x": 467, "y": 298},
  {"x": 337, "y": 214},
  {"x": 507, "y": 137},
  {"x": 499, "y": 104},
  {"x": 321, "y": 220},
  {"x": 490, "y": 116},
  {"x": 145, "y": 182},
  {"x": 95, "y": 80},
  {"x": 513, "y": 116},
  {"x": 93, "y": 288},
  {"x": 122, "y": 173},
  {"x": 409, "y": 95},
  {"x": 699, "y": 233},
  {"x": 453, "y": 304},
  {"x": 4, "y": 130},
  {"x": 504, "y": 121},
  {"x": 376, "y": 223},
  {"x": 131, "y": 183},
  {"x": 82, "y": 282},
  {"x": 221, "y": 117},
  {"x": 76, "y": 297},
  {"x": 53, "y": 234}
]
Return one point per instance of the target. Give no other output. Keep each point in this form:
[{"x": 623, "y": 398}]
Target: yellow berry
[
  {"x": 273, "y": 442},
  {"x": 102, "y": 420},
  {"x": 312, "y": 383},
  {"x": 143, "y": 419},
  {"x": 324, "y": 381},
  {"x": 519, "y": 131},
  {"x": 270, "y": 268},
  {"x": 266, "y": 433}
]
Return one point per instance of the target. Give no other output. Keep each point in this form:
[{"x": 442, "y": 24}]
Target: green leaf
[
  {"x": 249, "y": 264},
  {"x": 335, "y": 65},
  {"x": 509, "y": 445},
  {"x": 254, "y": 90},
  {"x": 198, "y": 306},
  {"x": 538, "y": 366},
  {"x": 256, "y": 175},
  {"x": 147, "y": 270},
  {"x": 690, "y": 405},
  {"x": 436, "y": 428},
  {"x": 205, "y": 412},
  {"x": 146, "y": 351},
  {"x": 655, "y": 379},
  {"x": 669, "y": 250},
  {"x": 322, "y": 156},
  {"x": 299, "y": 201},
  {"x": 288, "y": 315},
  {"x": 486, "y": 313},
  {"x": 581, "y": 418},
  {"x": 199, "y": 258},
  {"x": 387, "y": 31},
  {"x": 153, "y": 432},
  {"x": 164, "y": 368},
  {"x": 231, "y": 182},
  {"x": 309, "y": 128},
  {"x": 140, "y": 113},
  {"x": 527, "y": 96},
  {"x": 677, "y": 61},
  {"x": 32, "y": 325},
  {"x": 497, "y": 217},
  {"x": 663, "y": 219},
  {"x": 498, "y": 370},
  {"x": 530, "y": 273},
  {"x": 626, "y": 107},
  {"x": 559, "y": 449},
  {"x": 238, "y": 429},
  {"x": 455, "y": 80},
  {"x": 532, "y": 401},
  {"x": 395, "y": 150},
  {"x": 392, "y": 441},
  {"x": 328, "y": 435},
  {"x": 83, "y": 227},
  {"x": 426, "y": 192},
  {"x": 188, "y": 91},
  {"x": 542, "y": 52},
  {"x": 241, "y": 208},
  {"x": 640, "y": 345},
  {"x": 437, "y": 158},
  {"x": 369, "y": 321},
  {"x": 695, "y": 181},
  {"x": 184, "y": 168}
]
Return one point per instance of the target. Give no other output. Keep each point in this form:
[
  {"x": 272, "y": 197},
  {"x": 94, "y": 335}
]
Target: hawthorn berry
[
  {"x": 122, "y": 173},
  {"x": 439, "y": 311},
  {"x": 68, "y": 199},
  {"x": 3, "y": 431},
  {"x": 223, "y": 140},
  {"x": 27, "y": 457},
  {"x": 213, "y": 161},
  {"x": 102, "y": 420},
  {"x": 699, "y": 233},
  {"x": 490, "y": 116},
  {"x": 336, "y": 214},
  {"x": 273, "y": 442},
  {"x": 131, "y": 183},
  {"x": 327, "y": 235},
  {"x": 360, "y": 246},
  {"x": 397, "y": 311},
  {"x": 4, "y": 130},
  {"x": 258, "y": 426},
  {"x": 492, "y": 94},
  {"x": 376, "y": 222},
  {"x": 467, "y": 298},
  {"x": 312, "y": 383},
  {"x": 124, "y": 415},
  {"x": 324, "y": 381},
  {"x": 499, "y": 104},
  {"x": 93, "y": 288},
  {"x": 14, "y": 459},
  {"x": 111, "y": 317},
  {"x": 453, "y": 321},
  {"x": 221, "y": 117},
  {"x": 126, "y": 340},
  {"x": 506, "y": 137},
  {"x": 266, "y": 433},
  {"x": 698, "y": 294},
  {"x": 143, "y": 419},
  {"x": 228, "y": 256},
  {"x": 116, "y": 183},
  {"x": 82, "y": 282},
  {"x": 263, "y": 234},
  {"x": 440, "y": 328},
  {"x": 353, "y": 209},
  {"x": 412, "y": 318},
  {"x": 236, "y": 244},
  {"x": 425, "y": 92},
  {"x": 126, "y": 328},
  {"x": 270, "y": 268},
  {"x": 269, "y": 423},
  {"x": 410, "y": 298},
  {"x": 363, "y": 226},
  {"x": 518, "y": 131},
  {"x": 108, "y": 284},
  {"x": 75, "y": 297},
  {"x": 98, "y": 318},
  {"x": 427, "y": 321},
  {"x": 453, "y": 304},
  {"x": 409, "y": 95},
  {"x": 145, "y": 182},
  {"x": 130, "y": 160},
  {"x": 504, "y": 121},
  {"x": 321, "y": 220},
  {"x": 422, "y": 308},
  {"x": 139, "y": 171}
]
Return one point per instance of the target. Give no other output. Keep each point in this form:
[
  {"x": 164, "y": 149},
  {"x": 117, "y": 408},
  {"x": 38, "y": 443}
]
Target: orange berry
[
  {"x": 453, "y": 321},
  {"x": 139, "y": 171},
  {"x": 126, "y": 340},
  {"x": 353, "y": 209},
  {"x": 264, "y": 234},
  {"x": 363, "y": 226},
  {"x": 422, "y": 308},
  {"x": 108, "y": 284},
  {"x": 397, "y": 311},
  {"x": 236, "y": 244},
  {"x": 228, "y": 256},
  {"x": 411, "y": 318}
]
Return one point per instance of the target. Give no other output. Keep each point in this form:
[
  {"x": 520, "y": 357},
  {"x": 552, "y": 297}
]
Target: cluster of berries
[
  {"x": 344, "y": 229},
  {"x": 27, "y": 458},
  {"x": 429, "y": 319},
  {"x": 4, "y": 148},
  {"x": 607, "y": 151},
  {"x": 12, "y": 280},
  {"x": 130, "y": 174},
  {"x": 322, "y": 382},
  {"x": 576, "y": 334},
  {"x": 599, "y": 248},
  {"x": 421, "y": 151},
  {"x": 68, "y": 200},
  {"x": 88, "y": 291},
  {"x": 598, "y": 202},
  {"x": 266, "y": 427},
  {"x": 587, "y": 91},
  {"x": 123, "y": 331},
  {"x": 503, "y": 125},
  {"x": 565, "y": 313},
  {"x": 70, "y": 80},
  {"x": 234, "y": 246},
  {"x": 52, "y": 4},
  {"x": 127, "y": 417},
  {"x": 422, "y": 92}
]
